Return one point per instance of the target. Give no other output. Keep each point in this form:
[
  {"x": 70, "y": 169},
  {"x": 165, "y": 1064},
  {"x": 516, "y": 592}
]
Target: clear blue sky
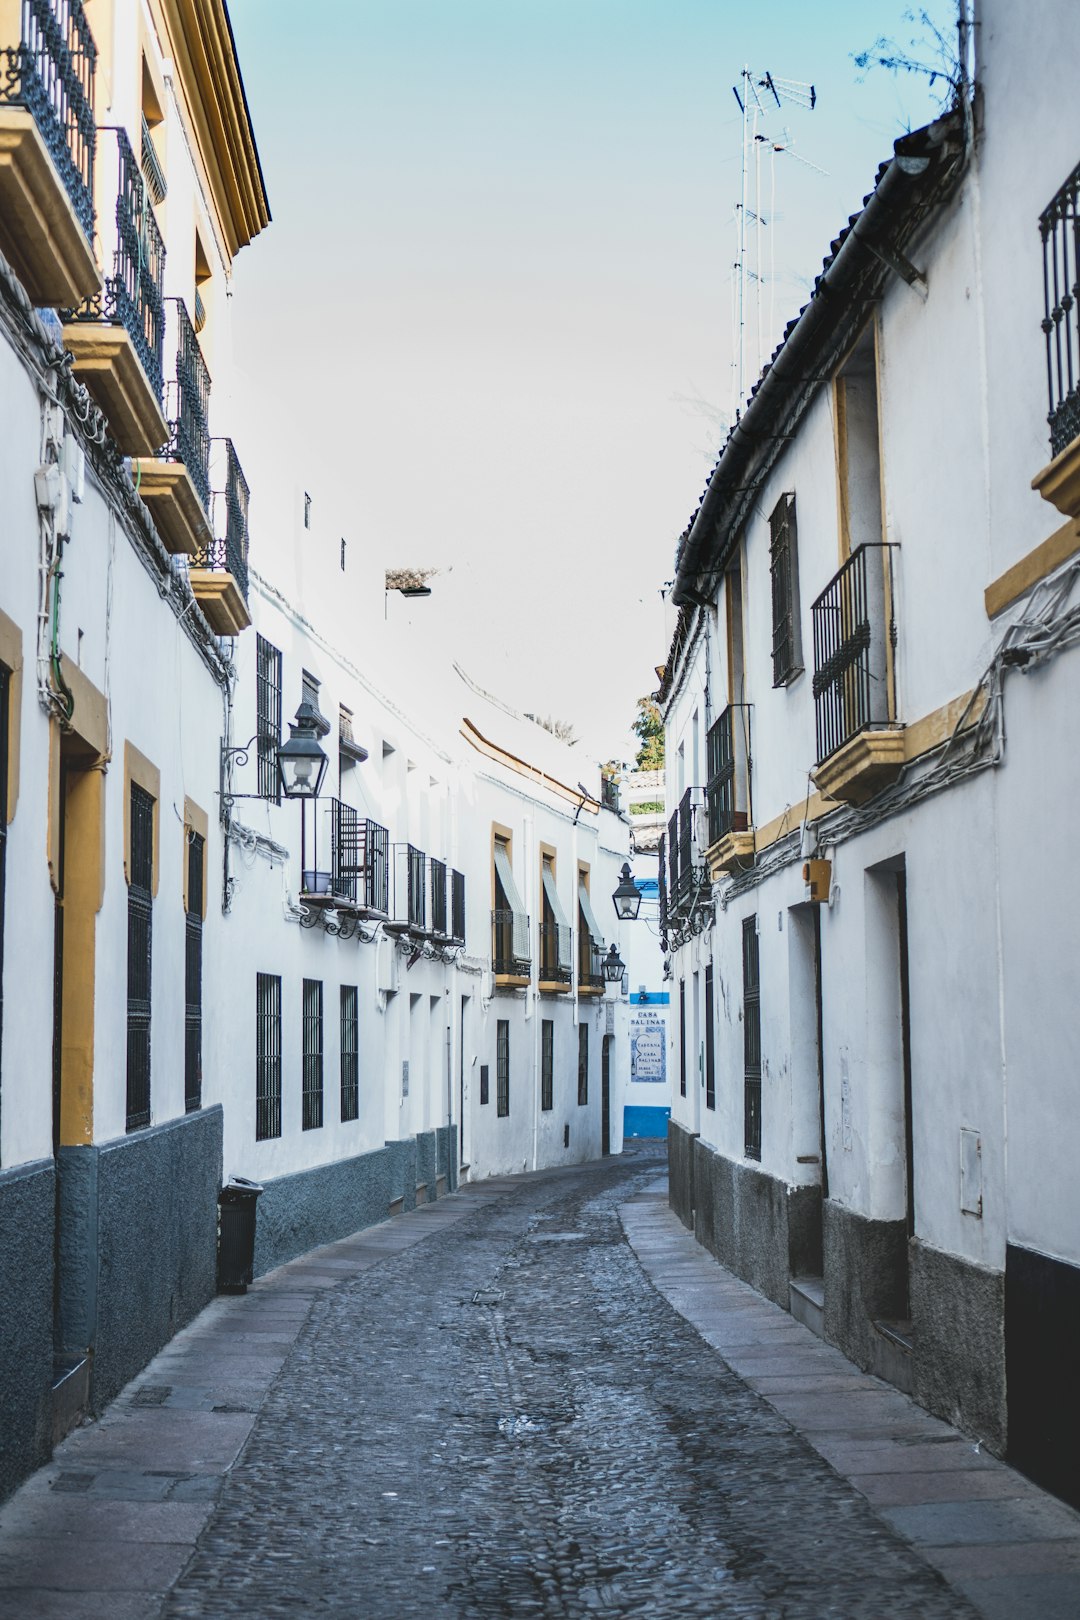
[{"x": 503, "y": 233}]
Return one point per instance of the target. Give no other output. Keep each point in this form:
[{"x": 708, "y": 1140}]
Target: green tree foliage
[{"x": 648, "y": 727}]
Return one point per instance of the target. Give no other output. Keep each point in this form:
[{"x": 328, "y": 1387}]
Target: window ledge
[
  {"x": 870, "y": 761},
  {"x": 1059, "y": 483},
  {"x": 730, "y": 853}
]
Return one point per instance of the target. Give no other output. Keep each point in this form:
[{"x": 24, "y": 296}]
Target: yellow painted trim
[
  {"x": 919, "y": 738},
  {"x": 90, "y": 716},
  {"x": 195, "y": 821},
  {"x": 510, "y": 981},
  {"x": 500, "y": 835},
  {"x": 204, "y": 56},
  {"x": 1059, "y": 482},
  {"x": 138, "y": 769},
  {"x": 1016, "y": 581},
  {"x": 12, "y": 659},
  {"x": 475, "y": 736},
  {"x": 84, "y": 892}
]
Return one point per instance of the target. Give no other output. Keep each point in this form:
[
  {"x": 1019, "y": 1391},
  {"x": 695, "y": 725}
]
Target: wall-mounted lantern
[
  {"x": 301, "y": 762},
  {"x": 627, "y": 896},
  {"x": 613, "y": 966}
]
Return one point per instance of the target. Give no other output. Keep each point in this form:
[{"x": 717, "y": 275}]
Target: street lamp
[
  {"x": 627, "y": 896},
  {"x": 613, "y": 966},
  {"x": 301, "y": 763}
]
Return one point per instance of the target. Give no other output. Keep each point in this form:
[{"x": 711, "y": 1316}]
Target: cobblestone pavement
[{"x": 508, "y": 1419}]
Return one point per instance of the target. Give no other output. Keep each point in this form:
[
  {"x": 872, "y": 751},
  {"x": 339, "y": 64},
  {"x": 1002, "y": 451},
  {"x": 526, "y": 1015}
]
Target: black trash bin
[{"x": 236, "y": 1234}]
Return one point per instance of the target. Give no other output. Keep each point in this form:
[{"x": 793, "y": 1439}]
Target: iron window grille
[
  {"x": 547, "y": 1065},
  {"x": 1059, "y": 227},
  {"x": 509, "y": 932},
  {"x": 267, "y": 1056},
  {"x": 350, "y": 1052},
  {"x": 751, "y": 1040},
  {"x": 133, "y": 295},
  {"x": 331, "y": 857},
  {"x": 226, "y": 549},
  {"x": 682, "y": 1037},
  {"x": 555, "y": 951},
  {"x": 437, "y": 880},
  {"x": 196, "y": 856},
  {"x": 417, "y": 897},
  {"x": 784, "y": 570},
  {"x": 609, "y": 793},
  {"x": 502, "y": 1068},
  {"x": 727, "y": 796},
  {"x": 710, "y": 1042},
  {"x": 374, "y": 857},
  {"x": 457, "y": 907},
  {"x": 484, "y": 1085},
  {"x": 686, "y": 876},
  {"x": 51, "y": 74},
  {"x": 661, "y": 885},
  {"x": 152, "y": 172},
  {"x": 5, "y": 690},
  {"x": 140, "y": 918},
  {"x": 187, "y": 399},
  {"x": 852, "y": 644},
  {"x": 268, "y": 717},
  {"x": 312, "y": 1107},
  {"x": 583, "y": 1065}
]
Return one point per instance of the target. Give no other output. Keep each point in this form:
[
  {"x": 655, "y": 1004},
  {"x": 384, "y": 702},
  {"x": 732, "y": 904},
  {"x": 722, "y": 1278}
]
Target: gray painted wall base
[
  {"x": 302, "y": 1211},
  {"x": 27, "y": 1203},
  {"x": 958, "y": 1309},
  {"x": 865, "y": 1281}
]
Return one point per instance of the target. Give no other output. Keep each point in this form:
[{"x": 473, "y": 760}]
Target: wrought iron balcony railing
[
  {"x": 437, "y": 884},
  {"x": 51, "y": 74},
  {"x": 152, "y": 172},
  {"x": 408, "y": 901},
  {"x": 672, "y": 843},
  {"x": 510, "y": 952},
  {"x": 1059, "y": 226},
  {"x": 728, "y": 791},
  {"x": 457, "y": 907},
  {"x": 228, "y": 550},
  {"x": 853, "y": 639},
  {"x": 133, "y": 296},
  {"x": 556, "y": 953},
  {"x": 330, "y": 855},
  {"x": 609, "y": 793},
  {"x": 373, "y": 890},
  {"x": 591, "y": 965},
  {"x": 661, "y": 883},
  {"x": 187, "y": 399},
  {"x": 691, "y": 847}
]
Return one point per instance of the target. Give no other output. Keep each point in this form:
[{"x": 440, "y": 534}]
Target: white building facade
[
  {"x": 201, "y": 979},
  {"x": 868, "y": 903}
]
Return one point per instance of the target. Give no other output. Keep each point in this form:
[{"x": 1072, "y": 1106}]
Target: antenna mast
[{"x": 757, "y": 96}]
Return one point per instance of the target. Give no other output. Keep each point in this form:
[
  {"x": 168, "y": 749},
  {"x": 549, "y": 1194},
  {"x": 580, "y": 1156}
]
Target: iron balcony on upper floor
[
  {"x": 860, "y": 746},
  {"x": 556, "y": 958},
  {"x": 344, "y": 858},
  {"x": 409, "y": 893},
  {"x": 685, "y": 844},
  {"x": 1059, "y": 227},
  {"x": 48, "y": 138},
  {"x": 730, "y": 833},
  {"x": 176, "y": 485},
  {"x": 219, "y": 575},
  {"x": 511, "y": 957}
]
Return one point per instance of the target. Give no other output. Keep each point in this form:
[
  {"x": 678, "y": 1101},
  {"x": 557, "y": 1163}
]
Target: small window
[
  {"x": 350, "y": 1052},
  {"x": 502, "y": 1068},
  {"x": 267, "y": 1056},
  {"x": 307, "y": 510},
  {"x": 313, "y": 1055},
  {"x": 268, "y": 717},
  {"x": 710, "y": 1041},
  {"x": 583, "y": 1065},
  {"x": 343, "y": 554},
  {"x": 751, "y": 1040},
  {"x": 485, "y": 1085},
  {"x": 547, "y": 1065},
  {"x": 309, "y": 693},
  {"x": 784, "y": 568}
]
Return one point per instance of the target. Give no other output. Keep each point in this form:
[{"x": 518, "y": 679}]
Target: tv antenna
[{"x": 759, "y": 96}]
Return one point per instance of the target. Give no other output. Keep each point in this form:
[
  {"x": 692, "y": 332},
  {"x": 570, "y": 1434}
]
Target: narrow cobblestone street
[{"x": 501, "y": 1417}]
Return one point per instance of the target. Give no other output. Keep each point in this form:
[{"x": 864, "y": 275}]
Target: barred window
[
  {"x": 140, "y": 918},
  {"x": 313, "y": 1055},
  {"x": 267, "y": 1056},
  {"x": 682, "y": 1037},
  {"x": 268, "y": 717},
  {"x": 582, "y": 1064},
  {"x": 710, "y": 1042},
  {"x": 502, "y": 1068},
  {"x": 547, "y": 1065},
  {"x": 751, "y": 1040},
  {"x": 485, "y": 1085},
  {"x": 193, "y": 974},
  {"x": 784, "y": 568},
  {"x": 350, "y": 1052}
]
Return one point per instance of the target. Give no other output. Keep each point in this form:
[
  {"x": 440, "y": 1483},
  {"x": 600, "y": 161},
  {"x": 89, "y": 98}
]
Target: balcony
[
  {"x": 116, "y": 339},
  {"x": 437, "y": 885},
  {"x": 661, "y": 886},
  {"x": 687, "y": 875},
  {"x": 331, "y": 858},
  {"x": 1059, "y": 483},
  {"x": 176, "y": 487},
  {"x": 590, "y": 967},
  {"x": 457, "y": 908},
  {"x": 47, "y": 146},
  {"x": 556, "y": 956},
  {"x": 408, "y": 911},
  {"x": 220, "y": 576},
  {"x": 727, "y": 796},
  {"x": 511, "y": 958},
  {"x": 609, "y": 793},
  {"x": 860, "y": 747}
]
